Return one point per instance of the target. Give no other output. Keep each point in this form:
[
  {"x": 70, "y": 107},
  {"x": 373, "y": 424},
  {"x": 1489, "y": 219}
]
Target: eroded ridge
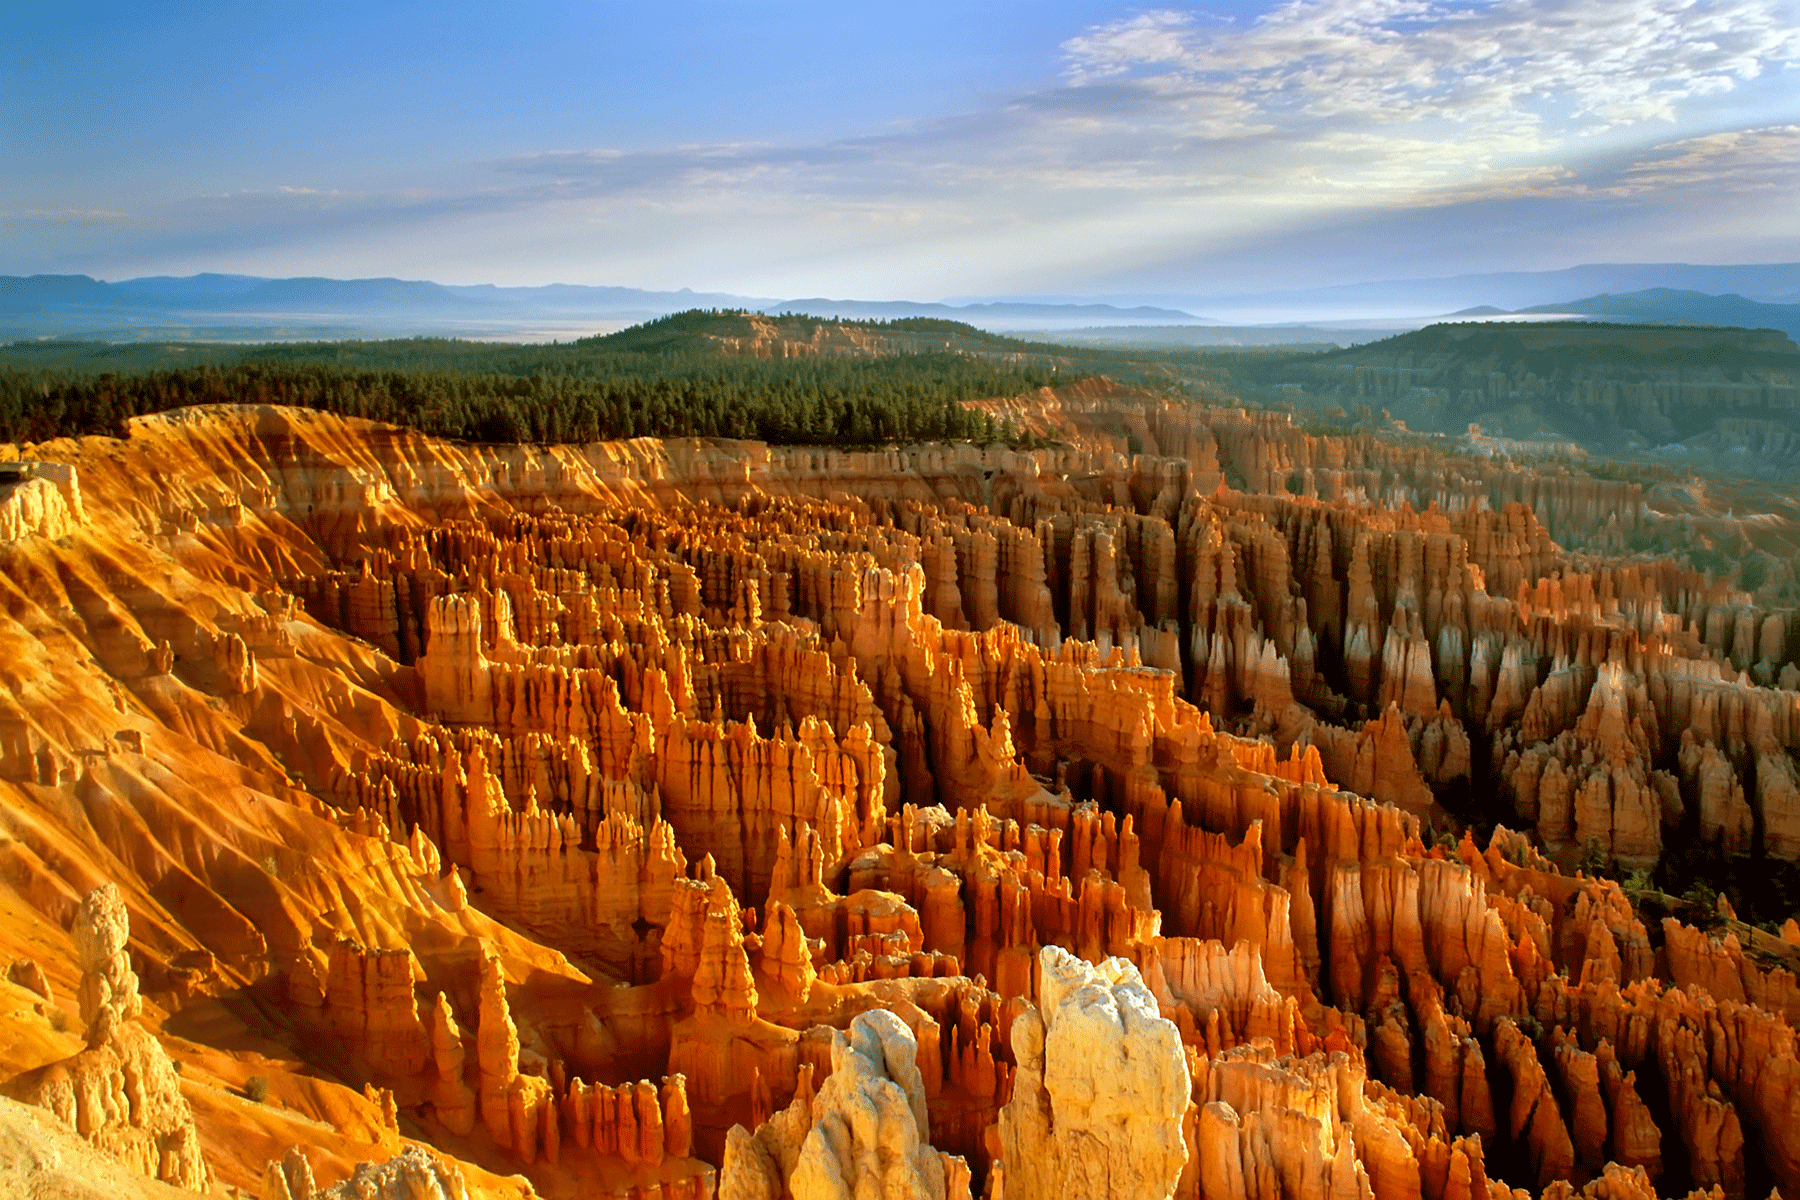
[{"x": 698, "y": 819}]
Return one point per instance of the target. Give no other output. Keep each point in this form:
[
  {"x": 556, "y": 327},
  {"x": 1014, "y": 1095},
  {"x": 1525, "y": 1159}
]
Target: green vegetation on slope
[
  {"x": 698, "y": 372},
  {"x": 1698, "y": 397},
  {"x": 668, "y": 378},
  {"x": 666, "y": 347},
  {"x": 1552, "y": 346}
]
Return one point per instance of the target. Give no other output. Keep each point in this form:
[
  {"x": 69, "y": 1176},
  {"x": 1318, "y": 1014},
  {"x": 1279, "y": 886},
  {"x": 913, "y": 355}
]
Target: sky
[{"x": 926, "y": 150}]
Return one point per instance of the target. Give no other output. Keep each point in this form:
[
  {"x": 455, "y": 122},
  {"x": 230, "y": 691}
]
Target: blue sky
[{"x": 1056, "y": 147}]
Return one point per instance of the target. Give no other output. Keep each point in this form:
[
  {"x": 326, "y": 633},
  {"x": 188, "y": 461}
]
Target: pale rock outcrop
[
  {"x": 39, "y": 499},
  {"x": 289, "y": 1177},
  {"x": 41, "y": 1159},
  {"x": 28, "y": 974},
  {"x": 862, "y": 1135},
  {"x": 1101, "y": 1088},
  {"x": 749, "y": 1171},
  {"x": 109, "y": 987},
  {"x": 122, "y": 1092},
  {"x": 412, "y": 1174}
]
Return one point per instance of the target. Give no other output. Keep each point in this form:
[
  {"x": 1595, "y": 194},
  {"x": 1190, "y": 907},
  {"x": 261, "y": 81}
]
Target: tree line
[{"x": 682, "y": 391}]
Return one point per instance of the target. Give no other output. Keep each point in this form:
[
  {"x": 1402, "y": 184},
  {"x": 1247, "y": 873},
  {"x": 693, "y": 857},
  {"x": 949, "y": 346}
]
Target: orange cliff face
[{"x": 635, "y": 818}]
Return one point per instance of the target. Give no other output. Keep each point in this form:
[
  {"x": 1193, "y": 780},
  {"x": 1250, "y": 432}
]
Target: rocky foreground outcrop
[
  {"x": 44, "y": 1159},
  {"x": 1100, "y": 1090},
  {"x": 121, "y": 1093},
  {"x": 862, "y": 1133},
  {"x": 684, "y": 820},
  {"x": 412, "y": 1174}
]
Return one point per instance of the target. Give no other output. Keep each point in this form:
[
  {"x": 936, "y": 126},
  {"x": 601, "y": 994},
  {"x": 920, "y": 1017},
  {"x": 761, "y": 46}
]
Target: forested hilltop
[
  {"x": 1707, "y": 397},
  {"x": 694, "y": 374},
  {"x": 788, "y": 379}
]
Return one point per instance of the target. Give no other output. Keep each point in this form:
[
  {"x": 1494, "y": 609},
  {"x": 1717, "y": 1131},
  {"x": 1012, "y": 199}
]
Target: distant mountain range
[
  {"x": 1208, "y": 337},
  {"x": 1669, "y": 306},
  {"x": 1768, "y": 283},
  {"x": 248, "y": 308},
  {"x": 245, "y": 307}
]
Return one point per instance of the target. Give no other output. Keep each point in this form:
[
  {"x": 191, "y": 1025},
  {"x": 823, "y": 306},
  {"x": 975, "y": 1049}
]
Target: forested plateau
[{"x": 1720, "y": 400}]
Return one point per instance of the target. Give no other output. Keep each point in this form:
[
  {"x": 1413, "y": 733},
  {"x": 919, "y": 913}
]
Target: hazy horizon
[{"x": 215, "y": 307}]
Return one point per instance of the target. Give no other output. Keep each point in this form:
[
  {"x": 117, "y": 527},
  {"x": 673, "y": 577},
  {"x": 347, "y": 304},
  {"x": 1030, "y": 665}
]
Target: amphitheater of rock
[{"x": 387, "y": 817}]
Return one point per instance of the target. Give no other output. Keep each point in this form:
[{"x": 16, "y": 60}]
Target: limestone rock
[
  {"x": 41, "y": 1159},
  {"x": 28, "y": 974},
  {"x": 1536, "y": 1119},
  {"x": 289, "y": 1177},
  {"x": 412, "y": 1174},
  {"x": 109, "y": 987},
  {"x": 862, "y": 1134},
  {"x": 1101, "y": 1088},
  {"x": 122, "y": 1093}
]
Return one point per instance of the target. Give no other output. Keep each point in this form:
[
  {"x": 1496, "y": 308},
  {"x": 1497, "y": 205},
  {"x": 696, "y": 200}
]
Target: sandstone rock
[
  {"x": 289, "y": 1177},
  {"x": 122, "y": 1093},
  {"x": 109, "y": 987},
  {"x": 1101, "y": 1089},
  {"x": 29, "y": 975},
  {"x": 42, "y": 1159},
  {"x": 657, "y": 760},
  {"x": 1536, "y": 1119},
  {"x": 862, "y": 1133},
  {"x": 413, "y": 1174},
  {"x": 1635, "y": 1140}
]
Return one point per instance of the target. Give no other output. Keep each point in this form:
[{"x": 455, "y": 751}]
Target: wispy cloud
[
  {"x": 1153, "y": 137},
  {"x": 1580, "y": 63},
  {"x": 1738, "y": 161},
  {"x": 96, "y": 215},
  {"x": 1326, "y": 99}
]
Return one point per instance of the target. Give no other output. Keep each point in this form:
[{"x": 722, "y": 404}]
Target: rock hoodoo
[
  {"x": 674, "y": 820},
  {"x": 122, "y": 1092},
  {"x": 1101, "y": 1088},
  {"x": 862, "y": 1133}
]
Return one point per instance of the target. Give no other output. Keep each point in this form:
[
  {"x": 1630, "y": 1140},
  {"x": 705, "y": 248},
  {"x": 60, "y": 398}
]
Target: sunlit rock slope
[{"x": 691, "y": 819}]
